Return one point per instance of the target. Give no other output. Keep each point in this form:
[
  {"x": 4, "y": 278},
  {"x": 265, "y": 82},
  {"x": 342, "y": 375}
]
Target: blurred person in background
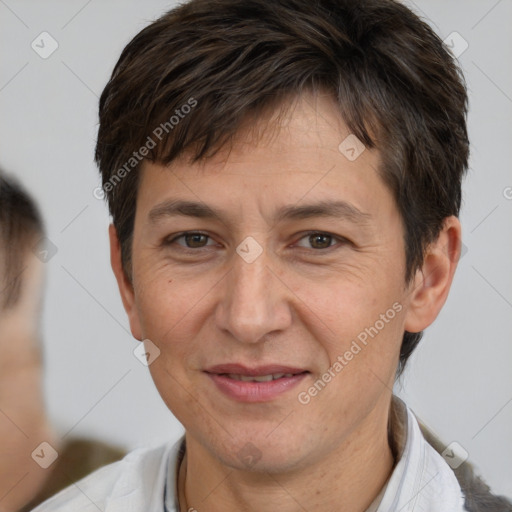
[{"x": 24, "y": 424}]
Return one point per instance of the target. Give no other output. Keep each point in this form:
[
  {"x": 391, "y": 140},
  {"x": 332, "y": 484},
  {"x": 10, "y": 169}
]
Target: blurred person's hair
[
  {"x": 397, "y": 87},
  {"x": 21, "y": 226}
]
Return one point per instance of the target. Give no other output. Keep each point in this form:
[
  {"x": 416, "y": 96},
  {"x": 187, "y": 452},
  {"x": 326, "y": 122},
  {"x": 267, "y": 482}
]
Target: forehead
[{"x": 305, "y": 156}]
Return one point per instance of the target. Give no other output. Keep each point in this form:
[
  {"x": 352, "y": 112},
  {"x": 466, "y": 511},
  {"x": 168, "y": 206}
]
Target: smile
[{"x": 262, "y": 384}]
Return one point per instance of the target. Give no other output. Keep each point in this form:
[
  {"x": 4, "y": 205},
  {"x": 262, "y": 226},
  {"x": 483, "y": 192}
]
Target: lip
[
  {"x": 254, "y": 391},
  {"x": 240, "y": 369}
]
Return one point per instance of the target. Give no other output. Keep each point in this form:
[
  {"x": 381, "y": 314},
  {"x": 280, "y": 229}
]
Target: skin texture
[{"x": 300, "y": 303}]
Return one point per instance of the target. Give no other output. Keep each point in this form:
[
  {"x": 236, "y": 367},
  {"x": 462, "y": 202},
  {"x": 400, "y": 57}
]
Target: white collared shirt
[{"x": 421, "y": 481}]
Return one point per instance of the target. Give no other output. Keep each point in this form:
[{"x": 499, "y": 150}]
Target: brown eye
[
  {"x": 318, "y": 240},
  {"x": 193, "y": 240}
]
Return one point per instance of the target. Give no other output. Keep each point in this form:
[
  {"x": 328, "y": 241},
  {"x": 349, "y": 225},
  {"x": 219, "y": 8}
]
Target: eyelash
[{"x": 189, "y": 250}]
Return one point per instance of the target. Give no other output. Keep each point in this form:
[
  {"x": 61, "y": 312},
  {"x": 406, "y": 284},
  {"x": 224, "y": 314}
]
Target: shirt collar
[{"x": 421, "y": 479}]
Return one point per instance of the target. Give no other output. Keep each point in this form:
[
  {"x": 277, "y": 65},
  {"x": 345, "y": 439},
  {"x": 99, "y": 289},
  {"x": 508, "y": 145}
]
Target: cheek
[
  {"x": 344, "y": 309},
  {"x": 360, "y": 327},
  {"x": 172, "y": 312},
  {"x": 161, "y": 296},
  {"x": 362, "y": 359}
]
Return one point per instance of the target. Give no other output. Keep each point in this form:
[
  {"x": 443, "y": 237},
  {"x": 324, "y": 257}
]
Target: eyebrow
[{"x": 335, "y": 209}]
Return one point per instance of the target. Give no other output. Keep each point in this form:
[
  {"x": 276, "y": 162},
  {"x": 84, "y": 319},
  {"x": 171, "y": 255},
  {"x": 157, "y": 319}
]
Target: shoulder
[
  {"x": 424, "y": 461},
  {"x": 88, "y": 494},
  {"x": 138, "y": 475},
  {"x": 477, "y": 494},
  {"x": 77, "y": 458}
]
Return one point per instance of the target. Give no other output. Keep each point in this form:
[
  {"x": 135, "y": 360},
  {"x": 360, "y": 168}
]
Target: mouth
[
  {"x": 258, "y": 378},
  {"x": 256, "y": 384}
]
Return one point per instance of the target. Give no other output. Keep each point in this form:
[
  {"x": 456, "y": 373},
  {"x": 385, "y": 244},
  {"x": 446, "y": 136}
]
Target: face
[
  {"x": 21, "y": 319},
  {"x": 278, "y": 281}
]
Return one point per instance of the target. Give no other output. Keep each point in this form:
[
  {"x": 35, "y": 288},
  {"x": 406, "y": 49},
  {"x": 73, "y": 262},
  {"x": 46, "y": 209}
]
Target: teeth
[{"x": 258, "y": 378}]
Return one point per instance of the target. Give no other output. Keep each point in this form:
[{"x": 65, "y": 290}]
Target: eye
[
  {"x": 320, "y": 240},
  {"x": 316, "y": 240},
  {"x": 193, "y": 240}
]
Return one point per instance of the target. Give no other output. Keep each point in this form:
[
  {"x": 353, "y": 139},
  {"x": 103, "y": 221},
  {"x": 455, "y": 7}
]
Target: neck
[{"x": 353, "y": 474}]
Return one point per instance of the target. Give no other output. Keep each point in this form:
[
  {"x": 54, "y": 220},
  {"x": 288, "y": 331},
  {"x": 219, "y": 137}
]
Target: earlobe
[
  {"x": 125, "y": 285},
  {"x": 431, "y": 284}
]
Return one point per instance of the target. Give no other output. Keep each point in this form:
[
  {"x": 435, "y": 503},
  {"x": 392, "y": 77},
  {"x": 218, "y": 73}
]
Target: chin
[{"x": 263, "y": 453}]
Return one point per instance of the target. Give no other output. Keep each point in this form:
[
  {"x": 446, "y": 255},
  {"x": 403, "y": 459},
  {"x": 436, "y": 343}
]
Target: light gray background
[{"x": 459, "y": 381}]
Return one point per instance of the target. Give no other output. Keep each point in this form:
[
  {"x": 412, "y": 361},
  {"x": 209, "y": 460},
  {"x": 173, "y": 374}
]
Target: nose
[{"x": 254, "y": 302}]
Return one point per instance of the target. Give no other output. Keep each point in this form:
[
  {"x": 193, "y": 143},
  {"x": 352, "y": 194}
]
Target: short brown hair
[
  {"x": 20, "y": 226},
  {"x": 398, "y": 89}
]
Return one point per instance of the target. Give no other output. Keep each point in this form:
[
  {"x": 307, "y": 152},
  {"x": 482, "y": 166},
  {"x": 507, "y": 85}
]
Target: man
[
  {"x": 285, "y": 226},
  {"x": 24, "y": 424}
]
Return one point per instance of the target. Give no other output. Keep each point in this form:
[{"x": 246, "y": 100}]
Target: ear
[
  {"x": 432, "y": 282},
  {"x": 124, "y": 284}
]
